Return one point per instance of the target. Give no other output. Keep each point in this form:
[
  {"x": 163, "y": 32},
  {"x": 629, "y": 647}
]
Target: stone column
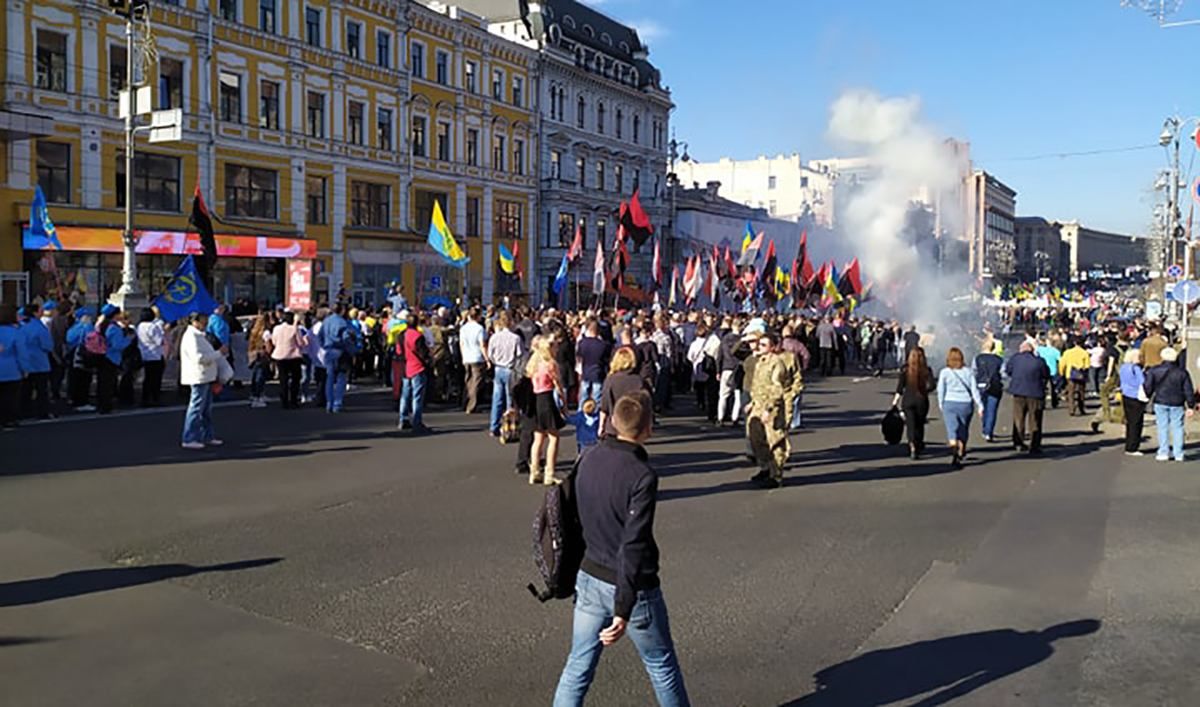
[
  {"x": 339, "y": 225},
  {"x": 489, "y": 284}
]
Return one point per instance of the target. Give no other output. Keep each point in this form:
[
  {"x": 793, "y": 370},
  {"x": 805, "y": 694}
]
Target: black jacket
[
  {"x": 616, "y": 491},
  {"x": 1169, "y": 384},
  {"x": 727, "y": 358}
]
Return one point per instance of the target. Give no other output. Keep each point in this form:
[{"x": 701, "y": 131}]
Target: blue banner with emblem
[{"x": 184, "y": 294}]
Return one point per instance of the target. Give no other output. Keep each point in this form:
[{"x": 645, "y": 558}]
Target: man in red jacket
[{"x": 417, "y": 363}]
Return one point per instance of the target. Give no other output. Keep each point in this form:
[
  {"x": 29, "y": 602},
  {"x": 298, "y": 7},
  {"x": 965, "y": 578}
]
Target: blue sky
[{"x": 1016, "y": 79}]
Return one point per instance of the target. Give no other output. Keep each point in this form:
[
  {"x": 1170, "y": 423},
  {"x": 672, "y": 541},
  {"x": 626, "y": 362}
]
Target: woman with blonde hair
[
  {"x": 958, "y": 397},
  {"x": 623, "y": 378},
  {"x": 542, "y": 371},
  {"x": 1133, "y": 400},
  {"x": 258, "y": 354}
]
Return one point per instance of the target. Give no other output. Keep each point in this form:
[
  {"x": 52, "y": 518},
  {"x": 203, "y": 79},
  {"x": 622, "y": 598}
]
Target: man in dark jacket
[
  {"x": 729, "y": 394},
  {"x": 617, "y": 588},
  {"x": 1027, "y": 379},
  {"x": 987, "y": 376},
  {"x": 1170, "y": 387}
]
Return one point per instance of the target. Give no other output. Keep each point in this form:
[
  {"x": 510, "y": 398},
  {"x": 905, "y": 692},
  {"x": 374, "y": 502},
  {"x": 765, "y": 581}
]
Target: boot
[
  {"x": 534, "y": 476},
  {"x": 548, "y": 477}
]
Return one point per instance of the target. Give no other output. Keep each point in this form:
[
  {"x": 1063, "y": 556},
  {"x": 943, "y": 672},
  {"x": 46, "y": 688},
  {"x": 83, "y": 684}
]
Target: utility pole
[{"x": 129, "y": 296}]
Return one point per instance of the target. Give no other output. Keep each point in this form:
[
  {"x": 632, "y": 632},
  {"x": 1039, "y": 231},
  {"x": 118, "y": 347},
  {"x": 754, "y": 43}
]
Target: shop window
[
  {"x": 566, "y": 230},
  {"x": 170, "y": 83},
  {"x": 418, "y": 136},
  {"x": 473, "y": 217},
  {"x": 508, "y": 220},
  {"x": 116, "y": 70},
  {"x": 250, "y": 192},
  {"x": 312, "y": 26},
  {"x": 231, "y": 97},
  {"x": 355, "y": 123},
  {"x": 443, "y": 145},
  {"x": 155, "y": 182},
  {"x": 54, "y": 171},
  {"x": 268, "y": 105},
  {"x": 423, "y": 203},
  {"x": 51, "y": 65},
  {"x": 266, "y": 15},
  {"x": 472, "y": 147},
  {"x": 383, "y": 125},
  {"x": 383, "y": 49},
  {"x": 316, "y": 114},
  {"x": 314, "y": 200},
  {"x": 370, "y": 204}
]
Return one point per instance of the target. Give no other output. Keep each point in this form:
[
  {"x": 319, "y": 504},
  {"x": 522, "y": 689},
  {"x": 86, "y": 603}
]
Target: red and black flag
[
  {"x": 202, "y": 222},
  {"x": 850, "y": 283},
  {"x": 767, "y": 278},
  {"x": 636, "y": 222},
  {"x": 730, "y": 270},
  {"x": 620, "y": 262}
]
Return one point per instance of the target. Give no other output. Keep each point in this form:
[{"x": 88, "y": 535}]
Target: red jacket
[{"x": 416, "y": 353}]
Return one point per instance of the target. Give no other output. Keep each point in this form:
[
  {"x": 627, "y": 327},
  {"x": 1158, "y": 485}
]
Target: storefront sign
[
  {"x": 108, "y": 240},
  {"x": 299, "y": 285}
]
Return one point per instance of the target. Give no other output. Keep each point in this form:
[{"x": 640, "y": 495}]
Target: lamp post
[{"x": 673, "y": 182}]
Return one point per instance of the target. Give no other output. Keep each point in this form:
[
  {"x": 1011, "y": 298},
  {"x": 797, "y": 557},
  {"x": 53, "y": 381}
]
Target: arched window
[
  {"x": 587, "y": 29},
  {"x": 568, "y": 22},
  {"x": 625, "y": 47},
  {"x": 600, "y": 117},
  {"x": 605, "y": 38}
]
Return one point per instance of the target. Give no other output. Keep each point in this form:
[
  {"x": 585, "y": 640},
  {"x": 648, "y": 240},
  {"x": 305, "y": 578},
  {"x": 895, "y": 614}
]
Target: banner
[
  {"x": 299, "y": 285},
  {"x": 108, "y": 240}
]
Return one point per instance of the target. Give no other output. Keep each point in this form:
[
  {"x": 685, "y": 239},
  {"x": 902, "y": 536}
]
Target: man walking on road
[
  {"x": 1028, "y": 376},
  {"x": 827, "y": 343},
  {"x": 593, "y": 353},
  {"x": 617, "y": 588},
  {"x": 776, "y": 383},
  {"x": 471, "y": 342},
  {"x": 504, "y": 349}
]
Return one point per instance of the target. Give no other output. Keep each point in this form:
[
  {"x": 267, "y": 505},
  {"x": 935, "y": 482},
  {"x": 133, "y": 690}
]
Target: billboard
[{"x": 108, "y": 240}]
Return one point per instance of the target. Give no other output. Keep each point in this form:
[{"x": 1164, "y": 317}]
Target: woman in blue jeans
[
  {"x": 958, "y": 397},
  {"x": 988, "y": 379}
]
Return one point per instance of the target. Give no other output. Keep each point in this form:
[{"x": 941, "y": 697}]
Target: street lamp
[{"x": 673, "y": 182}]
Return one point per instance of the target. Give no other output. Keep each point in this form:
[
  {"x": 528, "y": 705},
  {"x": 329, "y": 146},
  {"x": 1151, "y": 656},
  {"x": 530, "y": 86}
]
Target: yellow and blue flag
[
  {"x": 41, "y": 235},
  {"x": 747, "y": 239},
  {"x": 560, "y": 278},
  {"x": 184, "y": 294},
  {"x": 441, "y": 240},
  {"x": 507, "y": 262}
]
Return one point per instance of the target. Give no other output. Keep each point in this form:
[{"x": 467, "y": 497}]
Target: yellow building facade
[{"x": 297, "y": 129}]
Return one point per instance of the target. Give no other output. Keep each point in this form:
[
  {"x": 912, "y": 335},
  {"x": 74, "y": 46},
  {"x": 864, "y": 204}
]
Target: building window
[
  {"x": 266, "y": 15},
  {"x": 442, "y": 67},
  {"x": 771, "y": 207},
  {"x": 518, "y": 157},
  {"x": 770, "y": 182},
  {"x": 580, "y": 107},
  {"x": 228, "y": 10},
  {"x": 250, "y": 192},
  {"x": 637, "y": 128},
  {"x": 620, "y": 119},
  {"x": 600, "y": 117},
  {"x": 170, "y": 83},
  {"x": 314, "y": 200},
  {"x": 562, "y": 103},
  {"x": 498, "y": 152},
  {"x": 268, "y": 105},
  {"x": 443, "y": 144},
  {"x": 370, "y": 204},
  {"x": 600, "y": 176},
  {"x": 471, "y": 69},
  {"x": 354, "y": 39},
  {"x": 316, "y": 114},
  {"x": 581, "y": 170},
  {"x": 383, "y": 49},
  {"x": 418, "y": 136},
  {"x": 383, "y": 127},
  {"x": 231, "y": 97},
  {"x": 155, "y": 182},
  {"x": 553, "y": 103},
  {"x": 555, "y": 164},
  {"x": 51, "y": 74},
  {"x": 116, "y": 70},
  {"x": 508, "y": 220},
  {"x": 416, "y": 60},
  {"x": 803, "y": 182},
  {"x": 619, "y": 179},
  {"x": 601, "y": 228},
  {"x": 312, "y": 26},
  {"x": 518, "y": 91},
  {"x": 637, "y": 179},
  {"x": 473, "y": 217},
  {"x": 498, "y": 84},
  {"x": 423, "y": 203},
  {"x": 566, "y": 230},
  {"x": 355, "y": 122},
  {"x": 472, "y": 147},
  {"x": 54, "y": 171}
]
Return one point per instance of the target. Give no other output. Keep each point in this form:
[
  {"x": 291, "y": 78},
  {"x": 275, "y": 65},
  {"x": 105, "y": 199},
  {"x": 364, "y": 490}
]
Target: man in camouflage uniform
[{"x": 774, "y": 386}]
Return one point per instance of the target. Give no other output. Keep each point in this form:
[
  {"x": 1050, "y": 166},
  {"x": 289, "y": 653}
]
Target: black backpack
[
  {"x": 893, "y": 426},
  {"x": 558, "y": 541}
]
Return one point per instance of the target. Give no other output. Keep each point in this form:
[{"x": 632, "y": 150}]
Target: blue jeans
[
  {"x": 1169, "y": 418},
  {"x": 501, "y": 396},
  {"x": 412, "y": 400},
  {"x": 197, "y": 422},
  {"x": 958, "y": 420},
  {"x": 797, "y": 415},
  {"x": 258, "y": 378},
  {"x": 991, "y": 405},
  {"x": 591, "y": 391},
  {"x": 648, "y": 628},
  {"x": 335, "y": 381}
]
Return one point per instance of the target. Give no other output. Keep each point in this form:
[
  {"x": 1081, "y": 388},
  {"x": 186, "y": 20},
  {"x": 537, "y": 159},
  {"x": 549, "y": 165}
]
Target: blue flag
[
  {"x": 184, "y": 294},
  {"x": 42, "y": 234},
  {"x": 560, "y": 279}
]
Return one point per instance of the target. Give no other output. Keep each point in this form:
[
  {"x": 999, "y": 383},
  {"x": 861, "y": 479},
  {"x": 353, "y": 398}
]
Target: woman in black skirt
[
  {"x": 912, "y": 395},
  {"x": 543, "y": 372}
]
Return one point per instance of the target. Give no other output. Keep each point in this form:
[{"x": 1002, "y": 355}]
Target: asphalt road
[{"x": 325, "y": 560}]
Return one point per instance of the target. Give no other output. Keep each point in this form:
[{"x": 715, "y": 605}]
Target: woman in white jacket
[{"x": 200, "y": 367}]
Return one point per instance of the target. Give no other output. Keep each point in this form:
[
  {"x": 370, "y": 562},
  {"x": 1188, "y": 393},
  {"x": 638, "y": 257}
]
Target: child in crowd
[{"x": 587, "y": 425}]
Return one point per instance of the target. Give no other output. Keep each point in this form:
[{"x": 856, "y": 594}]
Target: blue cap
[
  {"x": 84, "y": 312},
  {"x": 49, "y": 304},
  {"x": 109, "y": 309}
]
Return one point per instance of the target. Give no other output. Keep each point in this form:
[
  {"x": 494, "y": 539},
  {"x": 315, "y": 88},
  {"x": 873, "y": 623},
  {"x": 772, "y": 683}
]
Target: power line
[{"x": 1081, "y": 153}]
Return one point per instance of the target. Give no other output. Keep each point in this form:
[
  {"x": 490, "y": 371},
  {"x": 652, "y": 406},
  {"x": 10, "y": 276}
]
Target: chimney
[{"x": 712, "y": 188}]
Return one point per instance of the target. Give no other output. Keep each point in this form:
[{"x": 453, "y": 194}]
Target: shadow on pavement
[
  {"x": 72, "y": 584},
  {"x": 9, "y": 641},
  {"x": 111, "y": 456},
  {"x": 948, "y": 667},
  {"x": 695, "y": 462}
]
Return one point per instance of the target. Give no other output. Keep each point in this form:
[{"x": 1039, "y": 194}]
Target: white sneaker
[
  {"x": 259, "y": 403},
  {"x": 192, "y": 445},
  {"x": 1135, "y": 454},
  {"x": 1159, "y": 458},
  {"x": 215, "y": 443}
]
